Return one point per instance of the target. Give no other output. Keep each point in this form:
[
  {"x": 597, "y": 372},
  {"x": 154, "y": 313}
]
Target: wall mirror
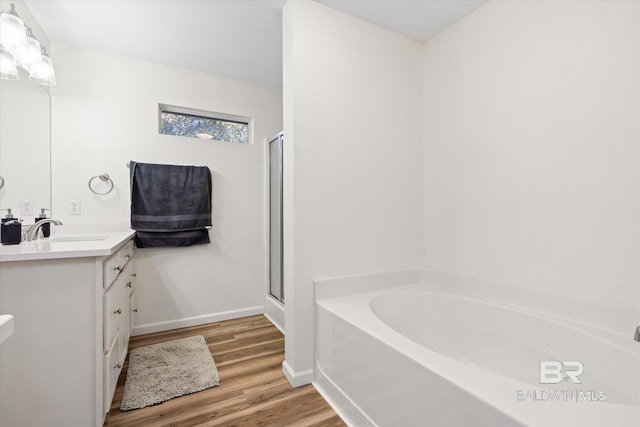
[{"x": 25, "y": 147}]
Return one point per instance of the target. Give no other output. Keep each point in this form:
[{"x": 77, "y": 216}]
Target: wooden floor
[{"x": 248, "y": 353}]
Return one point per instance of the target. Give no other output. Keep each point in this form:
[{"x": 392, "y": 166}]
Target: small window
[{"x": 204, "y": 125}]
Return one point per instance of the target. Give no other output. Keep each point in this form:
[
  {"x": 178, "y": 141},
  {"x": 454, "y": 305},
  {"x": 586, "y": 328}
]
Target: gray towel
[{"x": 170, "y": 204}]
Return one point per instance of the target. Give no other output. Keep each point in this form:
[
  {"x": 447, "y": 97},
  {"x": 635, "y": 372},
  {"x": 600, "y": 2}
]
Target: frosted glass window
[{"x": 204, "y": 125}]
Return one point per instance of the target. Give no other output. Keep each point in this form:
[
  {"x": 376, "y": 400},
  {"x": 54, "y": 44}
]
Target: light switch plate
[
  {"x": 26, "y": 207},
  {"x": 74, "y": 207}
]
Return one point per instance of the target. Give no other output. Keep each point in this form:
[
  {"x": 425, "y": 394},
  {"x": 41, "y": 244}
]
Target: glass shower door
[{"x": 276, "y": 288}]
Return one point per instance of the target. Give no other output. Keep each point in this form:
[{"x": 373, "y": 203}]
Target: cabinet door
[
  {"x": 124, "y": 322},
  {"x": 129, "y": 277},
  {"x": 133, "y": 304}
]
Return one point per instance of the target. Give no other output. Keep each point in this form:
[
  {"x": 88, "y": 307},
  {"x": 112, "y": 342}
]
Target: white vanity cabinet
[{"x": 73, "y": 320}]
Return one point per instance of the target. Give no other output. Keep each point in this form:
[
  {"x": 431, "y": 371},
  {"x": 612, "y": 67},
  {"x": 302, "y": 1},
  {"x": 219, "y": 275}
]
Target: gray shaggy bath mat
[{"x": 160, "y": 372}]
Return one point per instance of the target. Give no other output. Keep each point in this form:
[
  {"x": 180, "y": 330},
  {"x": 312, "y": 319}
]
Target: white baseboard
[
  {"x": 196, "y": 320},
  {"x": 275, "y": 322},
  {"x": 274, "y": 311},
  {"x": 296, "y": 379}
]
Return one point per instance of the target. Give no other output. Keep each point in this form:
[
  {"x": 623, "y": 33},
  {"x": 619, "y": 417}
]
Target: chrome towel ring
[
  {"x": 1, "y": 182},
  {"x": 104, "y": 177}
]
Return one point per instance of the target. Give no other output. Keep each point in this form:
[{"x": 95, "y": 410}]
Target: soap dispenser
[
  {"x": 10, "y": 230},
  {"x": 46, "y": 228},
  {"x": 9, "y": 216}
]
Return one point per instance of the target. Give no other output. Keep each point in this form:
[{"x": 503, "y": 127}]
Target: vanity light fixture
[{"x": 20, "y": 48}]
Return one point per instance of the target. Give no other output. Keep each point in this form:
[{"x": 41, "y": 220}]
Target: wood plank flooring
[{"x": 248, "y": 353}]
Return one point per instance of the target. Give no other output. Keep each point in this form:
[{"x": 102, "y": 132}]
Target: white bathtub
[{"x": 424, "y": 355}]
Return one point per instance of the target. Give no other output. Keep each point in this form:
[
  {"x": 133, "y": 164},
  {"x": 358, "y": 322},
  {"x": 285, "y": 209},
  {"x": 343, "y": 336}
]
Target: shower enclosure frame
[{"x": 276, "y": 222}]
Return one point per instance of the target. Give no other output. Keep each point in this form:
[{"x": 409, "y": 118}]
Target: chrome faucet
[
  {"x": 636, "y": 336},
  {"x": 32, "y": 234}
]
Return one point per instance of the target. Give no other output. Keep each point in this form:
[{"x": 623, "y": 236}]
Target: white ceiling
[
  {"x": 417, "y": 19},
  {"x": 241, "y": 39}
]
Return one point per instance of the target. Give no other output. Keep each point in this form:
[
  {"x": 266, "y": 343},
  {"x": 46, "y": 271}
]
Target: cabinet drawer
[
  {"x": 111, "y": 367},
  {"x": 114, "y": 310},
  {"x": 112, "y": 267},
  {"x": 127, "y": 251}
]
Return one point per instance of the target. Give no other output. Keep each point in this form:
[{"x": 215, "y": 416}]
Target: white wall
[
  {"x": 353, "y": 159},
  {"x": 104, "y": 114},
  {"x": 532, "y": 147}
]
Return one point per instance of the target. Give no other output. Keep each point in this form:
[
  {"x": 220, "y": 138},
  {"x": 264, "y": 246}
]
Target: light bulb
[
  {"x": 12, "y": 33},
  {"x": 28, "y": 54},
  {"x": 8, "y": 70},
  {"x": 43, "y": 72}
]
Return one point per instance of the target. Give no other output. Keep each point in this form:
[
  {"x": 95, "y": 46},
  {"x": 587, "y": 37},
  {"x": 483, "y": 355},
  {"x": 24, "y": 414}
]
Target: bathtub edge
[{"x": 358, "y": 283}]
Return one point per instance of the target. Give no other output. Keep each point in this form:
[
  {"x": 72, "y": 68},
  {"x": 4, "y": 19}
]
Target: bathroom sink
[{"x": 6, "y": 326}]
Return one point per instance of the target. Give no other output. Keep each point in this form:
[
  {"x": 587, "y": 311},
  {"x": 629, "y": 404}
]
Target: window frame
[{"x": 224, "y": 117}]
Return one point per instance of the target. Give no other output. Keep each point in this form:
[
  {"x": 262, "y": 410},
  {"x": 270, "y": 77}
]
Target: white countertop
[{"x": 67, "y": 245}]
